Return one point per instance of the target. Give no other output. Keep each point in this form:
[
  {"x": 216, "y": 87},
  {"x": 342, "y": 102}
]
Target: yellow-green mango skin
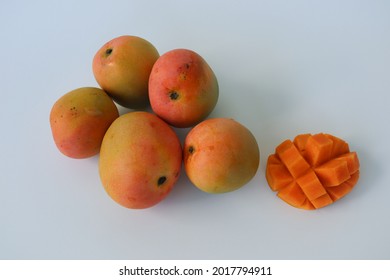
[
  {"x": 79, "y": 120},
  {"x": 122, "y": 67},
  {"x": 140, "y": 160}
]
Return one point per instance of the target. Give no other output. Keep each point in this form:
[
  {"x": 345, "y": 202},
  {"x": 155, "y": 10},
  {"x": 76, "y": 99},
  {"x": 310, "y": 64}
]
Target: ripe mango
[
  {"x": 140, "y": 160},
  {"x": 79, "y": 120},
  {"x": 220, "y": 155},
  {"x": 122, "y": 67},
  {"x": 183, "y": 89}
]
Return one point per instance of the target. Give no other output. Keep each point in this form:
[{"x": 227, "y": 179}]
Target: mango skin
[
  {"x": 183, "y": 89},
  {"x": 122, "y": 67},
  {"x": 140, "y": 160},
  {"x": 79, "y": 120},
  {"x": 220, "y": 155}
]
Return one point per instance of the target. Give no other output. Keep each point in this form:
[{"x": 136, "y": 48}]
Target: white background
[{"x": 284, "y": 68}]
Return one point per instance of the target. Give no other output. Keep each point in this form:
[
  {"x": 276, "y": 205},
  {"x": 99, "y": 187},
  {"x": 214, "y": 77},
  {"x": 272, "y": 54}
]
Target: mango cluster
[{"x": 140, "y": 154}]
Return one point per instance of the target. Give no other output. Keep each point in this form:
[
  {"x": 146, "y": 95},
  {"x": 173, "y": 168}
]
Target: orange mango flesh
[
  {"x": 333, "y": 173},
  {"x": 292, "y": 159},
  {"x": 312, "y": 171},
  {"x": 307, "y": 205},
  {"x": 352, "y": 161},
  {"x": 339, "y": 146},
  {"x": 311, "y": 185},
  {"x": 292, "y": 194},
  {"x": 318, "y": 149},
  {"x": 277, "y": 174},
  {"x": 338, "y": 192},
  {"x": 322, "y": 201},
  {"x": 301, "y": 140}
]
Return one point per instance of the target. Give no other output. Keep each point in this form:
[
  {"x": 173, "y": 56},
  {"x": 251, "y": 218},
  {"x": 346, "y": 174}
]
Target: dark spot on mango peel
[
  {"x": 73, "y": 111},
  {"x": 173, "y": 95},
  {"x": 108, "y": 51},
  {"x": 191, "y": 149},
  {"x": 161, "y": 180}
]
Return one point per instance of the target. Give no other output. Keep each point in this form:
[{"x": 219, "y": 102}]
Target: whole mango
[
  {"x": 122, "y": 67},
  {"x": 220, "y": 155},
  {"x": 140, "y": 160},
  {"x": 79, "y": 120},
  {"x": 183, "y": 89}
]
